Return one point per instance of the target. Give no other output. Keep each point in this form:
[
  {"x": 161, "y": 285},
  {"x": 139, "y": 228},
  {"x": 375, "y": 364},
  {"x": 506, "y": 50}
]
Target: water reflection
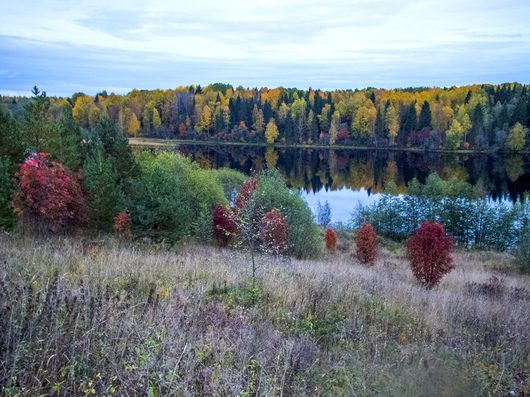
[{"x": 344, "y": 177}]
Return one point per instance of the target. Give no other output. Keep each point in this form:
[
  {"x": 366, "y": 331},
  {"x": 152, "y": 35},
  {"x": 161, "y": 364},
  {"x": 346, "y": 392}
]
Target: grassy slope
[{"x": 79, "y": 318}]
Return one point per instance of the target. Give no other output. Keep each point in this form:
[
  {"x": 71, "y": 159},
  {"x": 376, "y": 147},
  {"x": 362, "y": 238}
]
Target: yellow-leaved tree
[{"x": 271, "y": 132}]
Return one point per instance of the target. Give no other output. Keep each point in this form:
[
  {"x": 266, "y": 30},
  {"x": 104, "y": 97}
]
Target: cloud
[{"x": 336, "y": 44}]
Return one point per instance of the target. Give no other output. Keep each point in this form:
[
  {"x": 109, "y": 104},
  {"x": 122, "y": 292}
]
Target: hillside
[{"x": 82, "y": 316}]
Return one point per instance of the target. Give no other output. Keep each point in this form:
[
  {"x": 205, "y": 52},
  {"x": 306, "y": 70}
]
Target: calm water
[{"x": 345, "y": 177}]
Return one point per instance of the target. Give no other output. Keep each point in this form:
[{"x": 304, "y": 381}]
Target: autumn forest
[{"x": 475, "y": 117}]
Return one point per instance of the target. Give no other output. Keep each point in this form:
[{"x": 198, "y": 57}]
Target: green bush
[
  {"x": 304, "y": 237},
  {"x": 7, "y": 217},
  {"x": 230, "y": 181},
  {"x": 173, "y": 198},
  {"x": 104, "y": 196}
]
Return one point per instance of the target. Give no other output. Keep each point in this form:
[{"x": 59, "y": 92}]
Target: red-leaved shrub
[
  {"x": 429, "y": 253},
  {"x": 48, "y": 197},
  {"x": 224, "y": 225},
  {"x": 273, "y": 231},
  {"x": 366, "y": 244},
  {"x": 245, "y": 193},
  {"x": 330, "y": 238},
  {"x": 122, "y": 225}
]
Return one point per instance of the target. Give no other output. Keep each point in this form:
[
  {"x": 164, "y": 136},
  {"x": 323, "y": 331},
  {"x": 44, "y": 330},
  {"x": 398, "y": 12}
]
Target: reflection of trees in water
[
  {"x": 514, "y": 167},
  {"x": 314, "y": 170}
]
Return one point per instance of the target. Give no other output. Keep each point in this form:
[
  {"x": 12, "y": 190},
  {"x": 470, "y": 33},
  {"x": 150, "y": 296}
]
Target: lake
[{"x": 347, "y": 177}]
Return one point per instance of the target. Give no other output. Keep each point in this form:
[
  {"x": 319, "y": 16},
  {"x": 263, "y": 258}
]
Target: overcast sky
[{"x": 65, "y": 47}]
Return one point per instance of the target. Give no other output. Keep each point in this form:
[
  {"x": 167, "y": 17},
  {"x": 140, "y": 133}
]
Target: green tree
[
  {"x": 115, "y": 145},
  {"x": 38, "y": 128},
  {"x": 105, "y": 198},
  {"x": 425, "y": 119},
  {"x": 454, "y": 135},
  {"x": 516, "y": 138},
  {"x": 156, "y": 119}
]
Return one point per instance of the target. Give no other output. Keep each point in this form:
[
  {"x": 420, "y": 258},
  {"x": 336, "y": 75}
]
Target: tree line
[{"x": 476, "y": 117}]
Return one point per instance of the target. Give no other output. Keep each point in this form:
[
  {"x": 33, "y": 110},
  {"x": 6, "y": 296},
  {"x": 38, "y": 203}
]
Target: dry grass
[{"x": 104, "y": 318}]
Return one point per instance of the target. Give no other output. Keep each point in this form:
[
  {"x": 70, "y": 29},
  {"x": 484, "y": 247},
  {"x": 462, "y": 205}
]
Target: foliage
[
  {"x": 429, "y": 253},
  {"x": 516, "y": 138},
  {"x": 47, "y": 196},
  {"x": 123, "y": 225},
  {"x": 245, "y": 193},
  {"x": 473, "y": 221},
  {"x": 330, "y": 239},
  {"x": 103, "y": 192},
  {"x": 323, "y": 214},
  {"x": 173, "y": 198},
  {"x": 522, "y": 250},
  {"x": 273, "y": 231},
  {"x": 224, "y": 225},
  {"x": 116, "y": 146},
  {"x": 7, "y": 217},
  {"x": 304, "y": 239},
  {"x": 230, "y": 180},
  {"x": 366, "y": 244},
  {"x": 11, "y": 143},
  {"x": 271, "y": 132},
  {"x": 470, "y": 117}
]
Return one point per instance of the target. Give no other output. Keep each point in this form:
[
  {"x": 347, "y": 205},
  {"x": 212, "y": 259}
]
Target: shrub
[
  {"x": 122, "y": 225},
  {"x": 245, "y": 193},
  {"x": 429, "y": 253},
  {"x": 366, "y": 244},
  {"x": 522, "y": 251},
  {"x": 173, "y": 198},
  {"x": 273, "y": 231},
  {"x": 330, "y": 238},
  {"x": 48, "y": 197},
  {"x": 230, "y": 180},
  {"x": 304, "y": 240},
  {"x": 103, "y": 192},
  {"x": 7, "y": 217},
  {"x": 224, "y": 225}
]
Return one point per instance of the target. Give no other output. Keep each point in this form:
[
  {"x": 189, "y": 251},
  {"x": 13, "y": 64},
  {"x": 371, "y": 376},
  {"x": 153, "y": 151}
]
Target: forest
[{"x": 476, "y": 117}]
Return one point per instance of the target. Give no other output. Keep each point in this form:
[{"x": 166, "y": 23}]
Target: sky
[{"x": 117, "y": 45}]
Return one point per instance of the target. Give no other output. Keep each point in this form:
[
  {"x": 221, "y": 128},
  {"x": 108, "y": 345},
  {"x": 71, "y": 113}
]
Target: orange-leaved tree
[
  {"x": 330, "y": 238},
  {"x": 123, "y": 225},
  {"x": 366, "y": 244}
]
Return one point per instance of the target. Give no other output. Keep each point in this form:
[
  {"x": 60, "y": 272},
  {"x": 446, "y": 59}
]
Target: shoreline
[{"x": 160, "y": 142}]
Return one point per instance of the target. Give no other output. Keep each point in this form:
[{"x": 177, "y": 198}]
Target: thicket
[
  {"x": 304, "y": 239},
  {"x": 471, "y": 219}
]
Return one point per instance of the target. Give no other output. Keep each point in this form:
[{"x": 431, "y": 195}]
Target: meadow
[{"x": 95, "y": 316}]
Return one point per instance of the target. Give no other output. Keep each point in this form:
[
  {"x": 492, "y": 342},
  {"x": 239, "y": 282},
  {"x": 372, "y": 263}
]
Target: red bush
[
  {"x": 429, "y": 253},
  {"x": 224, "y": 225},
  {"x": 122, "y": 225},
  {"x": 47, "y": 196},
  {"x": 366, "y": 244},
  {"x": 245, "y": 193},
  {"x": 273, "y": 231},
  {"x": 330, "y": 238}
]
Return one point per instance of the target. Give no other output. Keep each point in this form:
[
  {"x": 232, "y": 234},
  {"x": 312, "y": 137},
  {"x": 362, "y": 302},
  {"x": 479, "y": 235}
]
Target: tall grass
[{"x": 83, "y": 317}]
